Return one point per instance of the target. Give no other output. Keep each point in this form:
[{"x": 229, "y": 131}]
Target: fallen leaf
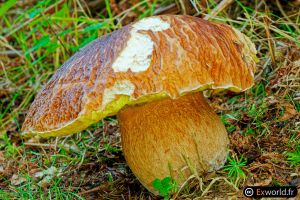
[
  {"x": 17, "y": 180},
  {"x": 45, "y": 182},
  {"x": 289, "y": 113},
  {"x": 46, "y": 176},
  {"x": 48, "y": 172},
  {"x": 264, "y": 182}
]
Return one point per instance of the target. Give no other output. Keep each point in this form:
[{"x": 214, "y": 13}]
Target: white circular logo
[{"x": 248, "y": 192}]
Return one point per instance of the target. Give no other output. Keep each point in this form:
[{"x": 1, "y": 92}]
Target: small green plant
[
  {"x": 294, "y": 157},
  {"x": 110, "y": 177},
  {"x": 234, "y": 168},
  {"x": 111, "y": 149},
  {"x": 10, "y": 149},
  {"x": 165, "y": 186}
]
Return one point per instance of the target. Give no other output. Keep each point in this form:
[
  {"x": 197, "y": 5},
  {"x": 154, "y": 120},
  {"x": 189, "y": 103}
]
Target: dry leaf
[
  {"x": 289, "y": 113},
  {"x": 17, "y": 180},
  {"x": 46, "y": 176},
  {"x": 264, "y": 182},
  {"x": 45, "y": 182},
  {"x": 49, "y": 172}
]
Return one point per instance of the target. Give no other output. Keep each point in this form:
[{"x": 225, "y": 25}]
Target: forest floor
[{"x": 263, "y": 123}]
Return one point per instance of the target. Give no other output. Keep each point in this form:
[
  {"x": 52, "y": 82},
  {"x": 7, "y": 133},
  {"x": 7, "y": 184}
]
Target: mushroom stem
[{"x": 172, "y": 138}]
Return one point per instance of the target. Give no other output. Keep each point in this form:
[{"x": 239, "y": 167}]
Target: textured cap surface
[{"x": 154, "y": 58}]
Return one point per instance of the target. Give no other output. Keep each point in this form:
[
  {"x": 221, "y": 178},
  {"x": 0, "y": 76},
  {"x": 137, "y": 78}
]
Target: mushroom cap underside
[{"x": 157, "y": 57}]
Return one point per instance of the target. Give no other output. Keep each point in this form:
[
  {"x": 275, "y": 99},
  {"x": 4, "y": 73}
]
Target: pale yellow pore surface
[{"x": 112, "y": 108}]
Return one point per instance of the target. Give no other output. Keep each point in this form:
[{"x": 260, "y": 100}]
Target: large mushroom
[{"x": 151, "y": 73}]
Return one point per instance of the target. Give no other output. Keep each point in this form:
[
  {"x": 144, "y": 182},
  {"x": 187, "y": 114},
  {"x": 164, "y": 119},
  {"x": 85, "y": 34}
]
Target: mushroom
[{"x": 151, "y": 74}]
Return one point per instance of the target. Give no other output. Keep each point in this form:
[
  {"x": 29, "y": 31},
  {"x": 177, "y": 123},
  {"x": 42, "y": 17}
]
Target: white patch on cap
[
  {"x": 123, "y": 87},
  {"x": 151, "y": 23},
  {"x": 136, "y": 56}
]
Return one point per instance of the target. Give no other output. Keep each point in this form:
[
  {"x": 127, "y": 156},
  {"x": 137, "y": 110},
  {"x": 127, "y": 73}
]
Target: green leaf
[
  {"x": 35, "y": 12},
  {"x": 93, "y": 27},
  {"x": 42, "y": 42},
  {"x": 156, "y": 184},
  {"x": 39, "y": 43},
  {"x": 6, "y": 6},
  {"x": 64, "y": 32},
  {"x": 294, "y": 157},
  {"x": 164, "y": 192},
  {"x": 166, "y": 181}
]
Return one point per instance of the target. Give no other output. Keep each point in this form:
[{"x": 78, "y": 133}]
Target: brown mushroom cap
[{"x": 154, "y": 58}]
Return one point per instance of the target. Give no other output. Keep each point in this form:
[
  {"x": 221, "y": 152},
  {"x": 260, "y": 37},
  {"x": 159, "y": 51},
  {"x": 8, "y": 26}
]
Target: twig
[
  {"x": 270, "y": 43},
  {"x": 182, "y": 5},
  {"x": 161, "y": 10},
  {"x": 215, "y": 180},
  {"x": 101, "y": 187},
  {"x": 42, "y": 145},
  {"x": 195, "y": 6},
  {"x": 183, "y": 185},
  {"x": 4, "y": 43},
  {"x": 221, "y": 6},
  {"x": 10, "y": 53}
]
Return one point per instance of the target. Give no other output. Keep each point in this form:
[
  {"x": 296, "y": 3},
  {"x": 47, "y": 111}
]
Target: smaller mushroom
[{"x": 151, "y": 74}]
